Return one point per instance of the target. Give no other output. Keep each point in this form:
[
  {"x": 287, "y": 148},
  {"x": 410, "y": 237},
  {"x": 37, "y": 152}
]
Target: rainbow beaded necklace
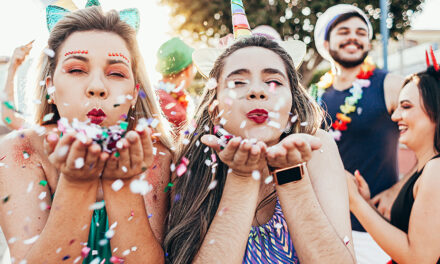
[{"x": 349, "y": 106}]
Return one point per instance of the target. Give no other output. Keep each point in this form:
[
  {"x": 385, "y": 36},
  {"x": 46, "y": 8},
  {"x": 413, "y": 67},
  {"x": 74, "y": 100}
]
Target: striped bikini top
[{"x": 271, "y": 243}]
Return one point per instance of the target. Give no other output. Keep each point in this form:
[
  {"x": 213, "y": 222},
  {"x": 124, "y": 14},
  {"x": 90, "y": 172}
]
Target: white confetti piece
[
  {"x": 305, "y": 123},
  {"x": 120, "y": 99},
  {"x": 49, "y": 52},
  {"x": 31, "y": 240},
  {"x": 51, "y": 90},
  {"x": 114, "y": 225},
  {"x": 170, "y": 105},
  {"x": 223, "y": 121},
  {"x": 294, "y": 118},
  {"x": 48, "y": 117},
  {"x": 274, "y": 124},
  {"x": 109, "y": 234},
  {"x": 359, "y": 110},
  {"x": 232, "y": 94},
  {"x": 120, "y": 144},
  {"x": 280, "y": 103},
  {"x": 42, "y": 195},
  {"x": 243, "y": 124},
  {"x": 129, "y": 97},
  {"x": 212, "y": 185},
  {"x": 36, "y": 101},
  {"x": 154, "y": 123},
  {"x": 81, "y": 137},
  {"x": 208, "y": 162},
  {"x": 154, "y": 150},
  {"x": 185, "y": 141},
  {"x": 172, "y": 167},
  {"x": 275, "y": 115},
  {"x": 62, "y": 151},
  {"x": 212, "y": 241},
  {"x": 211, "y": 84},
  {"x": 197, "y": 143},
  {"x": 126, "y": 252},
  {"x": 124, "y": 169},
  {"x": 206, "y": 149},
  {"x": 58, "y": 250},
  {"x": 79, "y": 163},
  {"x": 206, "y": 128},
  {"x": 140, "y": 186},
  {"x": 97, "y": 205},
  {"x": 346, "y": 240},
  {"x": 95, "y": 260},
  {"x": 42, "y": 83},
  {"x": 278, "y": 225},
  {"x": 21, "y": 262},
  {"x": 231, "y": 84},
  {"x": 268, "y": 180},
  {"x": 77, "y": 259},
  {"x": 12, "y": 240},
  {"x": 117, "y": 185},
  {"x": 134, "y": 249},
  {"x": 30, "y": 186},
  {"x": 256, "y": 175},
  {"x": 25, "y": 155}
]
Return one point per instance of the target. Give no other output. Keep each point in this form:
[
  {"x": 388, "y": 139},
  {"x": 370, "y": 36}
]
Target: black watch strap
[{"x": 286, "y": 175}]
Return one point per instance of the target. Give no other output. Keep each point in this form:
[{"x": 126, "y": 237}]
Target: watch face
[{"x": 290, "y": 175}]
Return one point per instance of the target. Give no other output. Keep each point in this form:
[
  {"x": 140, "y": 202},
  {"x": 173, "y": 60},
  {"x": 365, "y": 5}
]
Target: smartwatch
[{"x": 289, "y": 174}]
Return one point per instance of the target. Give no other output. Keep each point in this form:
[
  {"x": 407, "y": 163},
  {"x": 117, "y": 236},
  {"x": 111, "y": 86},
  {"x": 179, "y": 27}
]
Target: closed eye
[
  {"x": 76, "y": 71},
  {"x": 274, "y": 81},
  {"x": 117, "y": 74}
]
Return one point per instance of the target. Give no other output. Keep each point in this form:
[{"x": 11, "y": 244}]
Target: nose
[
  {"x": 97, "y": 88},
  {"x": 256, "y": 92},
  {"x": 396, "y": 116}
]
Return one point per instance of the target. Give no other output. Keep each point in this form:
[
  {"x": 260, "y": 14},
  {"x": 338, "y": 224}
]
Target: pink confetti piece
[
  {"x": 213, "y": 157},
  {"x": 116, "y": 260},
  {"x": 85, "y": 252},
  {"x": 272, "y": 87},
  {"x": 181, "y": 169}
]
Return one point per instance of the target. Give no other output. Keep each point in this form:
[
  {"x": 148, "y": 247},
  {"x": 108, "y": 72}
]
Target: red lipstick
[
  {"x": 96, "y": 116},
  {"x": 259, "y": 116}
]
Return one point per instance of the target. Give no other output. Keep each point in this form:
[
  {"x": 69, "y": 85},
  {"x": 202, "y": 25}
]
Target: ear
[
  {"x": 49, "y": 83},
  {"x": 327, "y": 45},
  {"x": 135, "y": 94}
]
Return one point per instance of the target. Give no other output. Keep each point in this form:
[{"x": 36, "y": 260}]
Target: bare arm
[
  {"x": 392, "y": 85},
  {"x": 10, "y": 117},
  {"x": 40, "y": 232},
  {"x": 127, "y": 209},
  {"x": 319, "y": 203},
  {"x": 422, "y": 243},
  {"x": 228, "y": 233}
]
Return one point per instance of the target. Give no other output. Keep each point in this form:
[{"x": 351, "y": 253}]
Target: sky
[{"x": 24, "y": 20}]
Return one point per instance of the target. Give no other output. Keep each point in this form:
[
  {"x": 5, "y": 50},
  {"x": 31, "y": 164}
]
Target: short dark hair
[
  {"x": 428, "y": 83},
  {"x": 339, "y": 19}
]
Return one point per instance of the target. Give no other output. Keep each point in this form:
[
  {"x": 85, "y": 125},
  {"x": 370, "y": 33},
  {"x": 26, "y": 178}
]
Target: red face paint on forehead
[
  {"x": 76, "y": 52},
  {"x": 119, "y": 55}
]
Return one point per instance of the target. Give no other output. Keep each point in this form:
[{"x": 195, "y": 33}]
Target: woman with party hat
[
  {"x": 270, "y": 186},
  {"x": 86, "y": 184}
]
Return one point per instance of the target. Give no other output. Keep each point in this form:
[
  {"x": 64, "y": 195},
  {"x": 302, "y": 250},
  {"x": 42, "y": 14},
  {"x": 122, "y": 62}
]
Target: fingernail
[
  {"x": 131, "y": 137},
  {"x": 52, "y": 137}
]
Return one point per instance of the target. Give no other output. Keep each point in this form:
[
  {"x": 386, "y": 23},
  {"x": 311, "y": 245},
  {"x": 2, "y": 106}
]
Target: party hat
[{"x": 239, "y": 20}]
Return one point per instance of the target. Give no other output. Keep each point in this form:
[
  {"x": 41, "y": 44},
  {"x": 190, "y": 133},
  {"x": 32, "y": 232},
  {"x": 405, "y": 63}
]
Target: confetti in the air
[
  {"x": 256, "y": 175},
  {"x": 48, "y": 117},
  {"x": 212, "y": 185},
  {"x": 211, "y": 84},
  {"x": 31, "y": 240},
  {"x": 274, "y": 124},
  {"x": 97, "y": 205},
  {"x": 117, "y": 185},
  {"x": 79, "y": 163},
  {"x": 51, "y": 90},
  {"x": 49, "y": 52},
  {"x": 269, "y": 179}
]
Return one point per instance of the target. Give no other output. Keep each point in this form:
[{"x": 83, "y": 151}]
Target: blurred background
[{"x": 412, "y": 25}]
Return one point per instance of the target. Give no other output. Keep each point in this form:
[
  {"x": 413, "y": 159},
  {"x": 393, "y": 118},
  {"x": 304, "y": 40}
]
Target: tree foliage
[{"x": 204, "y": 20}]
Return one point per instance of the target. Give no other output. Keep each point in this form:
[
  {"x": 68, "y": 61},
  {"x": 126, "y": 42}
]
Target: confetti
[
  {"x": 79, "y": 163},
  {"x": 181, "y": 169},
  {"x": 116, "y": 260},
  {"x": 126, "y": 252},
  {"x": 58, "y": 250},
  {"x": 25, "y": 155},
  {"x": 142, "y": 94},
  {"x": 294, "y": 118},
  {"x": 110, "y": 233},
  {"x": 31, "y": 240},
  {"x": 269, "y": 179},
  {"x": 170, "y": 105},
  {"x": 5, "y": 199},
  {"x": 51, "y": 90},
  {"x": 129, "y": 97},
  {"x": 120, "y": 99},
  {"x": 275, "y": 115},
  {"x": 168, "y": 187},
  {"x": 212, "y": 185},
  {"x": 63, "y": 151},
  {"x": 305, "y": 123},
  {"x": 49, "y": 52},
  {"x": 30, "y": 187},
  {"x": 9, "y": 105},
  {"x": 211, "y": 84},
  {"x": 12, "y": 240},
  {"x": 140, "y": 186},
  {"x": 42, "y": 195},
  {"x": 8, "y": 120},
  {"x": 44, "y": 206},
  {"x": 243, "y": 124},
  {"x": 48, "y": 117},
  {"x": 66, "y": 257},
  {"x": 231, "y": 84},
  {"x": 43, "y": 183},
  {"x": 346, "y": 240},
  {"x": 278, "y": 225},
  {"x": 272, "y": 87},
  {"x": 256, "y": 175},
  {"x": 274, "y": 124},
  {"x": 117, "y": 185},
  {"x": 359, "y": 110},
  {"x": 223, "y": 121},
  {"x": 97, "y": 205},
  {"x": 77, "y": 259}
]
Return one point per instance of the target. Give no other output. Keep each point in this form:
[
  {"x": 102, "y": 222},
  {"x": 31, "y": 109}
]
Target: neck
[
  {"x": 424, "y": 154},
  {"x": 344, "y": 77}
]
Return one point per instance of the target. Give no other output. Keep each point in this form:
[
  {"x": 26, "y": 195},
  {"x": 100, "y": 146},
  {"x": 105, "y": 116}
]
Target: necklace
[{"x": 350, "y": 102}]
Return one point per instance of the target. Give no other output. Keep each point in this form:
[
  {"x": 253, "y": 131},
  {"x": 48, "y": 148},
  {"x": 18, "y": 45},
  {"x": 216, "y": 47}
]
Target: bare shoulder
[
  {"x": 392, "y": 85},
  {"x": 328, "y": 143},
  {"x": 393, "y": 81},
  {"x": 430, "y": 178}
]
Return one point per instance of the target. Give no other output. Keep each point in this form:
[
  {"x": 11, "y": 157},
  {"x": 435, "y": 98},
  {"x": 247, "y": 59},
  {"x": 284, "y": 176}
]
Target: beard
[{"x": 348, "y": 63}]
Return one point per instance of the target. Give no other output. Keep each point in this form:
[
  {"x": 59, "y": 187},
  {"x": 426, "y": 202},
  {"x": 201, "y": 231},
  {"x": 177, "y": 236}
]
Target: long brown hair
[
  {"x": 93, "y": 18},
  {"x": 194, "y": 205}
]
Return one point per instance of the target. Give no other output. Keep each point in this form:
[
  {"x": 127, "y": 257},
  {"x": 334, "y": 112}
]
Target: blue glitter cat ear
[
  {"x": 53, "y": 15},
  {"x": 92, "y": 3},
  {"x": 131, "y": 17}
]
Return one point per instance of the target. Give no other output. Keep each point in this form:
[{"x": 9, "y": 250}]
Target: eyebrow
[
  {"x": 238, "y": 72},
  {"x": 274, "y": 71},
  {"x": 85, "y": 59},
  {"x": 347, "y": 28}
]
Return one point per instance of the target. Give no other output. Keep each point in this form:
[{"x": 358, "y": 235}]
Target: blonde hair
[{"x": 89, "y": 19}]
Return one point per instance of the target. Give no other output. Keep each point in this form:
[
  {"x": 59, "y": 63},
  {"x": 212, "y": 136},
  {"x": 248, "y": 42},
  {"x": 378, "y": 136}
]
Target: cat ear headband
[{"x": 56, "y": 13}]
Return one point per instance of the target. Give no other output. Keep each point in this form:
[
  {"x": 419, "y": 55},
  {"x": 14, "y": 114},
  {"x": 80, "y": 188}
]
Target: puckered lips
[
  {"x": 96, "y": 116},
  {"x": 259, "y": 116}
]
